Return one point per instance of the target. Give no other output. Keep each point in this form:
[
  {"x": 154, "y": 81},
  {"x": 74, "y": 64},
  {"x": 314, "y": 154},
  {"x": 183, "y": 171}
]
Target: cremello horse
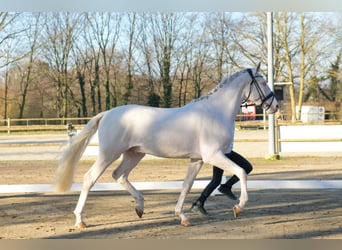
[{"x": 201, "y": 130}]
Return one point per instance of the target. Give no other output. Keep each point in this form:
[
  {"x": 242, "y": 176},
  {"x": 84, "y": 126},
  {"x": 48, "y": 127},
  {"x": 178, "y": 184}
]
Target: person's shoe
[
  {"x": 227, "y": 191},
  {"x": 198, "y": 207}
]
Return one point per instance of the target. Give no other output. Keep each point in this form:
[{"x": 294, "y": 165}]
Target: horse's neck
[{"x": 228, "y": 98}]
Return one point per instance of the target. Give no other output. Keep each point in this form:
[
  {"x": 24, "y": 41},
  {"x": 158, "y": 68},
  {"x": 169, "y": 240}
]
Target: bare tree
[
  {"x": 146, "y": 66},
  {"x": 132, "y": 38},
  {"x": 81, "y": 78},
  {"x": 105, "y": 28},
  {"x": 91, "y": 62},
  {"x": 6, "y": 32},
  {"x": 289, "y": 54},
  {"x": 310, "y": 54},
  {"x": 161, "y": 59},
  {"x": 32, "y": 34},
  {"x": 251, "y": 40},
  {"x": 221, "y": 28},
  {"x": 200, "y": 67},
  {"x": 164, "y": 33},
  {"x": 60, "y": 29},
  {"x": 184, "y": 58},
  {"x": 8, "y": 52},
  {"x": 7, "y": 61},
  {"x": 302, "y": 53}
]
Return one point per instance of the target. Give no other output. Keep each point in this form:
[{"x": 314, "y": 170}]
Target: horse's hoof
[
  {"x": 236, "y": 211},
  {"x": 139, "y": 212},
  {"x": 186, "y": 223},
  {"x": 81, "y": 225}
]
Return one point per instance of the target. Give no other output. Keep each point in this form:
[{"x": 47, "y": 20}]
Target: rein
[{"x": 263, "y": 98}]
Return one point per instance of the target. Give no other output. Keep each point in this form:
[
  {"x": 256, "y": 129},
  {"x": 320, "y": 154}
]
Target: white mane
[{"x": 224, "y": 81}]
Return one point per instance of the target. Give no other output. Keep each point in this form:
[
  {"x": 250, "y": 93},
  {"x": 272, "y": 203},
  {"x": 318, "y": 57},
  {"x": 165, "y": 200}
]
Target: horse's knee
[{"x": 242, "y": 173}]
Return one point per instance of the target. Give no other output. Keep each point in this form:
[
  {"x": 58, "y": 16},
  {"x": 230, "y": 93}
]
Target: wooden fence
[{"x": 41, "y": 124}]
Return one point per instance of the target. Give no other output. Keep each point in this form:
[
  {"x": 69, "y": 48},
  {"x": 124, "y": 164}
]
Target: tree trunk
[
  {"x": 289, "y": 68},
  {"x": 166, "y": 81},
  {"x": 81, "y": 82},
  {"x": 302, "y": 68}
]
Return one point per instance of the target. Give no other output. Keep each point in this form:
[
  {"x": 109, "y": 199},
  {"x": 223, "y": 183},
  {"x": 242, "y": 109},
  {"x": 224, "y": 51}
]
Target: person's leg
[
  {"x": 214, "y": 182},
  {"x": 243, "y": 163}
]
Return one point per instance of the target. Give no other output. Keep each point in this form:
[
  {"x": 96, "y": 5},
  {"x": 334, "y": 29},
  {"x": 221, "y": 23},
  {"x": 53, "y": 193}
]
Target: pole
[
  {"x": 272, "y": 154},
  {"x": 8, "y": 125}
]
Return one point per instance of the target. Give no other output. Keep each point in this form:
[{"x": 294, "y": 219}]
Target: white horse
[{"x": 201, "y": 130}]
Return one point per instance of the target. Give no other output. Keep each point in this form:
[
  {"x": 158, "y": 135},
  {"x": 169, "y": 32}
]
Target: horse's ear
[{"x": 258, "y": 67}]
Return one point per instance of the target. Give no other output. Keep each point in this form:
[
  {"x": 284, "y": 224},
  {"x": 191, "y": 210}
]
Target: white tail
[{"x": 70, "y": 157}]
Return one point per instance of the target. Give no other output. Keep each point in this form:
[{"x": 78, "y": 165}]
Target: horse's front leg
[
  {"x": 221, "y": 161},
  {"x": 194, "y": 167}
]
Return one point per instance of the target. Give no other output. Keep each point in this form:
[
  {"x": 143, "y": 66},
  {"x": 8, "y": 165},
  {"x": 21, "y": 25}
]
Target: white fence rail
[
  {"x": 310, "y": 138},
  {"x": 177, "y": 185}
]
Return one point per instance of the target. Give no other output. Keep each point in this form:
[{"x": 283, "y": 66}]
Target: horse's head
[{"x": 260, "y": 93}]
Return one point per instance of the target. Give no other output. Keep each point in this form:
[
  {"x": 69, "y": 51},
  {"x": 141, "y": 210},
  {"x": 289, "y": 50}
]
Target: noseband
[{"x": 263, "y": 98}]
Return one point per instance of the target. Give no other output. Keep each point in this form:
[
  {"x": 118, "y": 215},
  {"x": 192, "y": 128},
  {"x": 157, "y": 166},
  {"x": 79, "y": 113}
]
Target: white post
[
  {"x": 8, "y": 125},
  {"x": 272, "y": 154}
]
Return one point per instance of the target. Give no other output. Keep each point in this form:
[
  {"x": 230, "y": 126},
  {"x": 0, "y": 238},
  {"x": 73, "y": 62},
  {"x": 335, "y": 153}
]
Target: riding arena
[{"x": 296, "y": 196}]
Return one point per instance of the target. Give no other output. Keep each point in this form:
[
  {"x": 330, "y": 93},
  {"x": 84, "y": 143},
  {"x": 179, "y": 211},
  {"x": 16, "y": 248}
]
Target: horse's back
[{"x": 165, "y": 132}]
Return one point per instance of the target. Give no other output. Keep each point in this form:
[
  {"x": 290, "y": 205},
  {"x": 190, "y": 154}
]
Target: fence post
[
  {"x": 8, "y": 125},
  {"x": 276, "y": 137}
]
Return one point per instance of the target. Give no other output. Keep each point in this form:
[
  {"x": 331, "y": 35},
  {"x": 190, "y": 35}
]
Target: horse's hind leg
[
  {"x": 89, "y": 180},
  {"x": 120, "y": 174}
]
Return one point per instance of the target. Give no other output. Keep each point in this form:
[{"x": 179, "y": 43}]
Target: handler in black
[{"x": 225, "y": 188}]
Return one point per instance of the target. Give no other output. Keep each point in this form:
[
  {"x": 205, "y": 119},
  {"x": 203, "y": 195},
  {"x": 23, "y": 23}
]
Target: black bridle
[{"x": 263, "y": 98}]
